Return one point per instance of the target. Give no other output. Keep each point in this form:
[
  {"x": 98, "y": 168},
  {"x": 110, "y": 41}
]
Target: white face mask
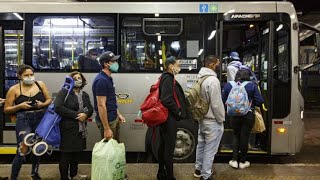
[
  {"x": 176, "y": 70},
  {"x": 28, "y": 80},
  {"x": 77, "y": 83}
]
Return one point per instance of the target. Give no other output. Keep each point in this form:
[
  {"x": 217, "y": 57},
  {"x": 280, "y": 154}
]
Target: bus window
[
  {"x": 13, "y": 48},
  {"x": 281, "y": 72},
  {"x": 70, "y": 42},
  {"x": 146, "y": 42}
]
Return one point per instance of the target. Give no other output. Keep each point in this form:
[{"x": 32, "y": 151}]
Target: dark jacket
[
  {"x": 167, "y": 99},
  {"x": 86, "y": 63},
  {"x": 252, "y": 90},
  {"x": 71, "y": 138}
]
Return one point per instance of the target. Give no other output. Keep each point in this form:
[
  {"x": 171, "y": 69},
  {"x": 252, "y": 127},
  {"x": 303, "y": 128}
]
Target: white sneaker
[
  {"x": 233, "y": 164},
  {"x": 244, "y": 165}
]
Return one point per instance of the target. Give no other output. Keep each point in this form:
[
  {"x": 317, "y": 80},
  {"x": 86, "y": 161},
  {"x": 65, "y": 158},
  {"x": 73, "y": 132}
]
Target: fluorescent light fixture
[
  {"x": 160, "y": 61},
  {"x": 18, "y": 16},
  {"x": 70, "y": 42},
  {"x": 230, "y": 11},
  {"x": 160, "y": 52},
  {"x": 69, "y": 49},
  {"x": 10, "y": 44},
  {"x": 100, "y": 47},
  {"x": 11, "y": 50},
  {"x": 213, "y": 33},
  {"x": 156, "y": 15},
  {"x": 279, "y": 27},
  {"x": 159, "y": 37},
  {"x": 64, "y": 22},
  {"x": 140, "y": 47},
  {"x": 200, "y": 52},
  {"x": 44, "y": 49}
]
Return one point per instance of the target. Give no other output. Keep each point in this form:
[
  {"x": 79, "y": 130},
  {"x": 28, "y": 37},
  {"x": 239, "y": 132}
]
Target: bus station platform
[{"x": 148, "y": 171}]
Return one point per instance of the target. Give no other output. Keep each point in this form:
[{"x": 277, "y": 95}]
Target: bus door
[
  {"x": 11, "y": 55},
  {"x": 250, "y": 39}
]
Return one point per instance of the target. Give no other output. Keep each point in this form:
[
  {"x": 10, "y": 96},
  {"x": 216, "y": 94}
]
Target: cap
[
  {"x": 234, "y": 55},
  {"x": 108, "y": 56}
]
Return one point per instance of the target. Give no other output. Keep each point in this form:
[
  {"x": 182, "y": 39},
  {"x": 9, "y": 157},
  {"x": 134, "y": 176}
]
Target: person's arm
[
  {"x": 59, "y": 106},
  {"x": 216, "y": 100},
  {"x": 121, "y": 118},
  {"x": 166, "y": 95},
  {"x": 10, "y": 107},
  {"x": 225, "y": 92},
  {"x": 46, "y": 94},
  {"x": 257, "y": 97}
]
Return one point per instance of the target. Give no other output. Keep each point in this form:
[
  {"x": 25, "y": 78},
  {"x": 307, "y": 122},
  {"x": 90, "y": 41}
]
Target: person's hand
[
  {"x": 39, "y": 104},
  {"x": 2, "y": 100},
  {"x": 81, "y": 116},
  {"x": 107, "y": 134},
  {"x": 25, "y": 105},
  {"x": 122, "y": 119}
]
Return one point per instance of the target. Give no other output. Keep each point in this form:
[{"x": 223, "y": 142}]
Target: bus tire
[
  {"x": 186, "y": 143},
  {"x": 185, "y": 150}
]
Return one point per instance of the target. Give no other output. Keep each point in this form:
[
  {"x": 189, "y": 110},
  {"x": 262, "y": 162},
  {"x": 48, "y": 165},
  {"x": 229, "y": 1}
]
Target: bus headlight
[{"x": 281, "y": 130}]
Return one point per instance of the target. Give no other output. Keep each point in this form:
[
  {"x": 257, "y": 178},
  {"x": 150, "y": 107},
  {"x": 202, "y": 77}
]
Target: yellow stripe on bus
[
  {"x": 251, "y": 152},
  {"x": 8, "y": 150}
]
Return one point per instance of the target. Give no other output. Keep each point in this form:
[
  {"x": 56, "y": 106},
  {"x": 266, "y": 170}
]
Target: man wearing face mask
[
  {"x": 211, "y": 127},
  {"x": 105, "y": 102},
  {"x": 169, "y": 88}
]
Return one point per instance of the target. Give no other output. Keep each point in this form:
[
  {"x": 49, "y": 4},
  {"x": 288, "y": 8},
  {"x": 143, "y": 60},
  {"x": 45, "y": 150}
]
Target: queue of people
[{"x": 29, "y": 99}]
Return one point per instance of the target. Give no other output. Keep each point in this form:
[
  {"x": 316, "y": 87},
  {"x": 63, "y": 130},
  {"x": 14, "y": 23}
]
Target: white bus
[{"x": 52, "y": 36}]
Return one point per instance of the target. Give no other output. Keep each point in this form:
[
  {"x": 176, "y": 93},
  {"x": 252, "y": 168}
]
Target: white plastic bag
[{"x": 108, "y": 161}]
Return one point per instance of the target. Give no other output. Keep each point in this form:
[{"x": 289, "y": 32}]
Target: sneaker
[
  {"x": 233, "y": 164},
  {"x": 126, "y": 177},
  {"x": 36, "y": 177},
  {"x": 197, "y": 173},
  {"x": 210, "y": 178},
  {"x": 244, "y": 165}
]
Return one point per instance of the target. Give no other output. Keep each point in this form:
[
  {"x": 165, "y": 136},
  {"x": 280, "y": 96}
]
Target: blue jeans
[
  {"x": 209, "y": 136},
  {"x": 27, "y": 122}
]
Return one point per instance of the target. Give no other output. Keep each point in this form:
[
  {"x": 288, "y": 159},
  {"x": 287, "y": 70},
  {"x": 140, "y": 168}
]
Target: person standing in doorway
[
  {"x": 211, "y": 127},
  {"x": 233, "y": 66}
]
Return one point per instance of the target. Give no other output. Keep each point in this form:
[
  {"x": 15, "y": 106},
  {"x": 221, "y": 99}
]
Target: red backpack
[{"x": 152, "y": 110}]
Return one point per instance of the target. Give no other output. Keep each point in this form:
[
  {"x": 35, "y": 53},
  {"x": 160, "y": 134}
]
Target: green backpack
[{"x": 198, "y": 106}]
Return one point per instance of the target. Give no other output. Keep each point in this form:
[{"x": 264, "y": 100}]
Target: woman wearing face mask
[
  {"x": 74, "y": 112},
  {"x": 28, "y": 100},
  {"x": 169, "y": 88}
]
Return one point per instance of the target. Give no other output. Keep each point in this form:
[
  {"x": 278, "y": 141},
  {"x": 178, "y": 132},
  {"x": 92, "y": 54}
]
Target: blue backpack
[{"x": 238, "y": 103}]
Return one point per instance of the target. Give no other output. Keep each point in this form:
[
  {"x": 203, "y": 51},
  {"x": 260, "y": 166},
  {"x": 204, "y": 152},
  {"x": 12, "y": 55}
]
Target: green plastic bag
[{"x": 108, "y": 161}]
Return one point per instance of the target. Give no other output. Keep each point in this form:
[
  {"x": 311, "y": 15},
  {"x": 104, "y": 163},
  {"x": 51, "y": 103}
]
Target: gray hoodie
[
  {"x": 211, "y": 92},
  {"x": 232, "y": 70}
]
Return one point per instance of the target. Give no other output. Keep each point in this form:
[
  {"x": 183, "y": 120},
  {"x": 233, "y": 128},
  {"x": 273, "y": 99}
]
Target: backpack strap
[
  {"x": 202, "y": 79},
  {"x": 175, "y": 94},
  {"x": 245, "y": 83},
  {"x": 233, "y": 83}
]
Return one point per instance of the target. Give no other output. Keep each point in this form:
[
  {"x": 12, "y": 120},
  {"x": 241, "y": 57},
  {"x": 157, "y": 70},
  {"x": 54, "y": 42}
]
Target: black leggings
[
  {"x": 69, "y": 162},
  {"x": 241, "y": 126},
  {"x": 168, "y": 135}
]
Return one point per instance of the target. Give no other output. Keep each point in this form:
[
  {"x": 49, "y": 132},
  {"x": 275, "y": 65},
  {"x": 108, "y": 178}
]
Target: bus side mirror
[{"x": 317, "y": 44}]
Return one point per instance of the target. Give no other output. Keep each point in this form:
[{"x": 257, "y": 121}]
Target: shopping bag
[
  {"x": 259, "y": 125},
  {"x": 108, "y": 161}
]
